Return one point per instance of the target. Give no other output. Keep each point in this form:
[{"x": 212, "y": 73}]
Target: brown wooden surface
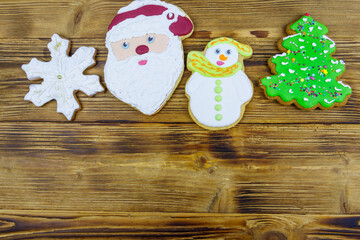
[{"x": 113, "y": 172}]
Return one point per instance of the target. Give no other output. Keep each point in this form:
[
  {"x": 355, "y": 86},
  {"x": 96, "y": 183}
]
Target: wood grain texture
[
  {"x": 119, "y": 166},
  {"x": 115, "y": 173},
  {"x": 96, "y": 225}
]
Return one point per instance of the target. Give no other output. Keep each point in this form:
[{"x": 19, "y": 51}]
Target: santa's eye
[
  {"x": 217, "y": 51},
  {"x": 228, "y": 52},
  {"x": 151, "y": 39},
  {"x": 125, "y": 45}
]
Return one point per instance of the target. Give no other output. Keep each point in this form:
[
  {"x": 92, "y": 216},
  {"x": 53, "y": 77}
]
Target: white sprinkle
[
  {"x": 314, "y": 44},
  {"x": 328, "y": 80},
  {"x": 314, "y": 58},
  {"x": 302, "y": 47},
  {"x": 306, "y": 99},
  {"x": 334, "y": 62},
  {"x": 285, "y": 63},
  {"x": 326, "y": 51},
  {"x": 338, "y": 89},
  {"x": 291, "y": 36},
  {"x": 311, "y": 28},
  {"x": 268, "y": 77},
  {"x": 280, "y": 55},
  {"x": 291, "y": 71},
  {"x": 314, "y": 86},
  {"x": 282, "y": 75},
  {"x": 338, "y": 70},
  {"x": 304, "y": 69},
  {"x": 301, "y": 40},
  {"x": 344, "y": 84},
  {"x": 291, "y": 91},
  {"x": 342, "y": 62},
  {"x": 333, "y": 43},
  {"x": 327, "y": 101},
  {"x": 319, "y": 28},
  {"x": 304, "y": 19}
]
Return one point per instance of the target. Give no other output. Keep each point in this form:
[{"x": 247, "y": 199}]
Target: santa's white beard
[{"x": 145, "y": 87}]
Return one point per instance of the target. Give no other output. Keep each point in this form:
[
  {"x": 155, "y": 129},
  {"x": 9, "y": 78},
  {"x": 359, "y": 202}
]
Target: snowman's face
[{"x": 222, "y": 55}]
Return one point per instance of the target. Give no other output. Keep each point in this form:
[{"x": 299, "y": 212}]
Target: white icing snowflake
[{"x": 62, "y": 76}]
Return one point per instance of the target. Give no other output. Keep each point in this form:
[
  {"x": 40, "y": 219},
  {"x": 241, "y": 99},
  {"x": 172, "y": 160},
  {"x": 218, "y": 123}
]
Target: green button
[
  {"x": 218, "y": 107},
  {"x": 218, "y": 117},
  {"x": 218, "y": 98},
  {"x": 218, "y": 82},
  {"x": 218, "y": 90}
]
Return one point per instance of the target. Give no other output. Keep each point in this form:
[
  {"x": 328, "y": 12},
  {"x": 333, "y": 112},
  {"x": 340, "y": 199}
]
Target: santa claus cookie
[
  {"x": 218, "y": 89},
  {"x": 145, "y": 55}
]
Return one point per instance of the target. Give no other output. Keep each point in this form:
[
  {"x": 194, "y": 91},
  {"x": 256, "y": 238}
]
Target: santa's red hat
[{"x": 149, "y": 16}]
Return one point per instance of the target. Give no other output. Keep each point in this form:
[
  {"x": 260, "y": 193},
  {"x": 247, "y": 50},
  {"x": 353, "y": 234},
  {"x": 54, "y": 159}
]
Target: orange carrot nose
[{"x": 223, "y": 58}]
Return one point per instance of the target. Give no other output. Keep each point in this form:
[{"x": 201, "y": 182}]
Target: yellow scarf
[{"x": 197, "y": 62}]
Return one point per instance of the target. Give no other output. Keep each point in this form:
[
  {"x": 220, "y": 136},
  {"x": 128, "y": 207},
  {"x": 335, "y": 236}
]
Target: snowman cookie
[
  {"x": 218, "y": 90},
  {"x": 146, "y": 59}
]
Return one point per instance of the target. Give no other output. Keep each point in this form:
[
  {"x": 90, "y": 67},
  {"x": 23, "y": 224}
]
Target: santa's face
[
  {"x": 143, "y": 71},
  {"x": 222, "y": 55},
  {"x": 140, "y": 46}
]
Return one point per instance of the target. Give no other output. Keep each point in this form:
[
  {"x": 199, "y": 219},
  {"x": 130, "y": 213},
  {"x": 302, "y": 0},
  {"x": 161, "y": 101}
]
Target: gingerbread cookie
[
  {"x": 306, "y": 74},
  {"x": 63, "y": 77},
  {"x": 145, "y": 55},
  {"x": 218, "y": 90}
]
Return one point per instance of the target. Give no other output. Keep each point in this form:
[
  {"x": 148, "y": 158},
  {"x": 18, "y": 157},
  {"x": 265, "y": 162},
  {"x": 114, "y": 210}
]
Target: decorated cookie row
[{"x": 145, "y": 64}]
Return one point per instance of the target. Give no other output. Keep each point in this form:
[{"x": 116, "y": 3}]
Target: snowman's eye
[
  {"x": 125, "y": 45},
  {"x": 228, "y": 52},
  {"x": 217, "y": 51},
  {"x": 151, "y": 39}
]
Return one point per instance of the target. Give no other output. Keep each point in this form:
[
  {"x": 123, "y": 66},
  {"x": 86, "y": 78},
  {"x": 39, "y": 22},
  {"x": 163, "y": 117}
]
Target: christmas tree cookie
[{"x": 306, "y": 74}]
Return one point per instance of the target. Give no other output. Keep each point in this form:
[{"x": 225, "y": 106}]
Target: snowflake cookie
[{"x": 63, "y": 77}]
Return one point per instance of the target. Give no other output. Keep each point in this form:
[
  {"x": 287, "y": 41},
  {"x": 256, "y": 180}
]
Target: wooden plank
[
  {"x": 105, "y": 107},
  {"x": 353, "y": 186},
  {"x": 117, "y": 173},
  {"x": 73, "y": 18},
  {"x": 177, "y": 167},
  {"x": 90, "y": 225}
]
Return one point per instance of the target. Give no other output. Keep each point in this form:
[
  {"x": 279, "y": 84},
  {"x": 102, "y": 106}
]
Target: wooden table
[{"x": 281, "y": 173}]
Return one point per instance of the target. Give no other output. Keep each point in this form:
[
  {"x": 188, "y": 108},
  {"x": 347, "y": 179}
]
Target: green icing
[
  {"x": 218, "y": 89},
  {"x": 218, "y": 98},
  {"x": 218, "y": 117},
  {"x": 306, "y": 72},
  {"x": 218, "y": 107},
  {"x": 307, "y": 25},
  {"x": 218, "y": 82}
]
